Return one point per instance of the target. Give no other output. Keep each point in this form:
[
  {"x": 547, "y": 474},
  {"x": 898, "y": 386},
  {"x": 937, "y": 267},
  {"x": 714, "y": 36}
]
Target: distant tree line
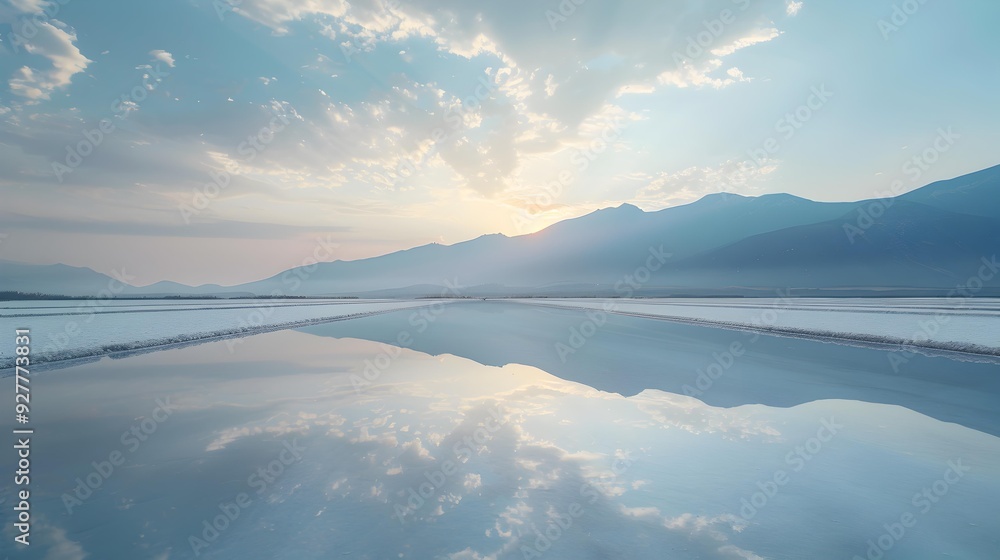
[
  {"x": 34, "y": 296},
  {"x": 18, "y": 296}
]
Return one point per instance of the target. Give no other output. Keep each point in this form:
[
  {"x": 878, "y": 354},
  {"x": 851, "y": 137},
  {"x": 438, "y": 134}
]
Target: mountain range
[{"x": 924, "y": 242}]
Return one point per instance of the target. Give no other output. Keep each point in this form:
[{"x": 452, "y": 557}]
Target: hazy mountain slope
[
  {"x": 926, "y": 238},
  {"x": 167, "y": 287},
  {"x": 910, "y": 245},
  {"x": 976, "y": 193},
  {"x": 607, "y": 244},
  {"x": 771, "y": 240},
  {"x": 599, "y": 247},
  {"x": 59, "y": 279}
]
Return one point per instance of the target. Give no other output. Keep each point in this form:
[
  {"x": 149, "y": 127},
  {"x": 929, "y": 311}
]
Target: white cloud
[
  {"x": 555, "y": 90},
  {"x": 56, "y": 544},
  {"x": 28, "y": 6},
  {"x": 163, "y": 56},
  {"x": 56, "y": 44},
  {"x": 688, "y": 185},
  {"x": 552, "y": 81},
  {"x": 642, "y": 51},
  {"x": 756, "y": 36},
  {"x": 793, "y": 7},
  {"x": 737, "y": 74},
  {"x": 703, "y": 76},
  {"x": 276, "y": 14},
  {"x": 550, "y": 85}
]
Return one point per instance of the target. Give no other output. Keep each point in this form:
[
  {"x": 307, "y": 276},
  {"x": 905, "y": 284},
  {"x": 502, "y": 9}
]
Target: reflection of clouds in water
[
  {"x": 557, "y": 456},
  {"x": 51, "y": 541},
  {"x": 426, "y": 453},
  {"x": 302, "y": 423},
  {"x": 670, "y": 410}
]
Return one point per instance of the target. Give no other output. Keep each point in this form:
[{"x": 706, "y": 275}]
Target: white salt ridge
[
  {"x": 91, "y": 306},
  {"x": 966, "y": 326},
  {"x": 60, "y": 337}
]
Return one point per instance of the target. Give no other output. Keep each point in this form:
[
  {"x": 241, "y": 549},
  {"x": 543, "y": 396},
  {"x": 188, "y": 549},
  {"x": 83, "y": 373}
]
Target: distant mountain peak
[
  {"x": 722, "y": 197},
  {"x": 621, "y": 208},
  {"x": 628, "y": 207},
  {"x": 780, "y": 196}
]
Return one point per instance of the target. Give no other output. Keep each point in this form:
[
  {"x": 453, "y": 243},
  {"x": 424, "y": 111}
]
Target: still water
[{"x": 468, "y": 435}]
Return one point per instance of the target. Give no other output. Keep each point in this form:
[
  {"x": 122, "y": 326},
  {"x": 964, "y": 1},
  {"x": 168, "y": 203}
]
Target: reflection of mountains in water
[
  {"x": 628, "y": 355},
  {"x": 442, "y": 454}
]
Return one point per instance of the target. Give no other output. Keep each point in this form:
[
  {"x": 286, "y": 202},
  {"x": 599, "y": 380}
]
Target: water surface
[{"x": 329, "y": 442}]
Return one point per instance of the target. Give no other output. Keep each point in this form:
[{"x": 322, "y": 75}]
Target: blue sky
[{"x": 239, "y": 132}]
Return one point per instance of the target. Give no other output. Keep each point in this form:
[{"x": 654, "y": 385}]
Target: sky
[{"x": 222, "y": 141}]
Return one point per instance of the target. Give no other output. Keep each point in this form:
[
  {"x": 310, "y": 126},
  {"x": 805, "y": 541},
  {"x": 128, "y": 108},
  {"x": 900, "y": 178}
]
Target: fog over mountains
[{"x": 926, "y": 241}]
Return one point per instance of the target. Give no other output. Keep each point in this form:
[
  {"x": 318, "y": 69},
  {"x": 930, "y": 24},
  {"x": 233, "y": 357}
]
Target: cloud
[
  {"x": 407, "y": 114},
  {"x": 52, "y": 542},
  {"x": 56, "y": 44},
  {"x": 415, "y": 133},
  {"x": 219, "y": 228},
  {"x": 793, "y": 7},
  {"x": 557, "y": 71},
  {"x": 28, "y": 6},
  {"x": 688, "y": 185},
  {"x": 276, "y": 14},
  {"x": 694, "y": 77},
  {"x": 163, "y": 56},
  {"x": 752, "y": 38}
]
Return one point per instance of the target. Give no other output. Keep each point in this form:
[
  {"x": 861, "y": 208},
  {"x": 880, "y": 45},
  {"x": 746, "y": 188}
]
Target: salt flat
[
  {"x": 65, "y": 330},
  {"x": 505, "y": 462},
  {"x": 73, "y": 329},
  {"x": 949, "y": 324}
]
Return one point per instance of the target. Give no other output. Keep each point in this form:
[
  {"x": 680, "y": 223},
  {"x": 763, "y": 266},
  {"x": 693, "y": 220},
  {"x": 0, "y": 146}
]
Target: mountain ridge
[{"x": 916, "y": 240}]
